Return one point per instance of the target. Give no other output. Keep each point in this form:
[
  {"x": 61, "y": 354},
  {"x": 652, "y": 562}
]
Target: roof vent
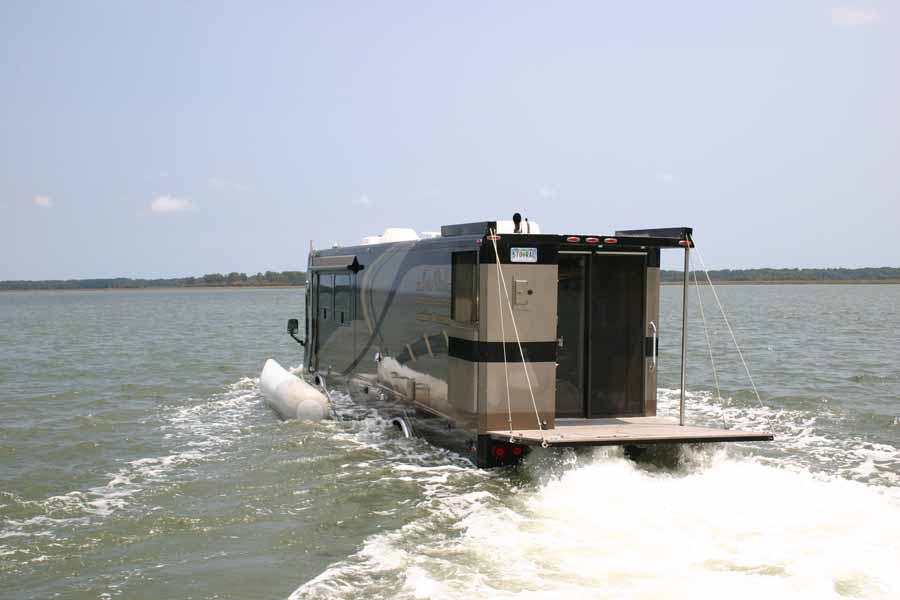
[{"x": 392, "y": 234}]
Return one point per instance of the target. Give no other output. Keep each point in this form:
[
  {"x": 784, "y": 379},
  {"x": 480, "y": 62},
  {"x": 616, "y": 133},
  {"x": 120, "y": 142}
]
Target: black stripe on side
[{"x": 493, "y": 351}]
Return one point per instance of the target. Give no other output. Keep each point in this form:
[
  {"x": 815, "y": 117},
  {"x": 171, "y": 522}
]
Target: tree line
[
  {"x": 863, "y": 274},
  {"x": 285, "y": 278},
  {"x": 233, "y": 279}
]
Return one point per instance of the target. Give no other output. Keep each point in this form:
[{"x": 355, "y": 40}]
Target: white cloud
[
  {"x": 170, "y": 204},
  {"x": 42, "y": 201},
  {"x": 846, "y": 16},
  {"x": 222, "y": 184},
  {"x": 547, "y": 193},
  {"x": 665, "y": 177}
]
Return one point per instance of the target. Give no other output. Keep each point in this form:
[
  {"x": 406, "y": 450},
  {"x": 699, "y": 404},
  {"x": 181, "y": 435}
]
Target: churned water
[{"x": 138, "y": 460}]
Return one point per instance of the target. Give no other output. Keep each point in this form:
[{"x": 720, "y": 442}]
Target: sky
[{"x": 163, "y": 139}]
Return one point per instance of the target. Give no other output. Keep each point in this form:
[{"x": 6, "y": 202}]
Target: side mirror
[{"x": 293, "y": 326}]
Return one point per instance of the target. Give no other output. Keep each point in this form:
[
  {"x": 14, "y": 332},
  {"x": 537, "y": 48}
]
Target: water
[{"x": 137, "y": 460}]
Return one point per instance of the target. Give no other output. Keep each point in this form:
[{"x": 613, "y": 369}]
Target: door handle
[
  {"x": 559, "y": 342},
  {"x": 653, "y": 325}
]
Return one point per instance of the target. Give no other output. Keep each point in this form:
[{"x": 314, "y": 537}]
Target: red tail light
[
  {"x": 493, "y": 237},
  {"x": 610, "y": 241},
  {"x": 499, "y": 451},
  {"x": 573, "y": 238},
  {"x": 517, "y": 451},
  {"x": 592, "y": 240}
]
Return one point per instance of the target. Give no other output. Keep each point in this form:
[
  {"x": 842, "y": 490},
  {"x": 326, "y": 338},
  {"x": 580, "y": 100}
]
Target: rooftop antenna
[{"x": 517, "y": 222}]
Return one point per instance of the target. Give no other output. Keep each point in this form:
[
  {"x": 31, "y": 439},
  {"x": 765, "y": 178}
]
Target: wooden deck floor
[{"x": 628, "y": 430}]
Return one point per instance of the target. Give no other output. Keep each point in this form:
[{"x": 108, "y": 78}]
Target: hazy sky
[{"x": 165, "y": 139}]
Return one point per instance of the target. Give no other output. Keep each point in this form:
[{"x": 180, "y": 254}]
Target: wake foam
[
  {"x": 602, "y": 527},
  {"x": 800, "y": 438},
  {"x": 809, "y": 516}
]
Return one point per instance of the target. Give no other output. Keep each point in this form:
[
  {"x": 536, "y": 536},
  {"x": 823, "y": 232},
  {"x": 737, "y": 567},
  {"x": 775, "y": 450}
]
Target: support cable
[
  {"x": 512, "y": 439},
  {"x": 512, "y": 318},
  {"x": 712, "y": 360},
  {"x": 730, "y": 330}
]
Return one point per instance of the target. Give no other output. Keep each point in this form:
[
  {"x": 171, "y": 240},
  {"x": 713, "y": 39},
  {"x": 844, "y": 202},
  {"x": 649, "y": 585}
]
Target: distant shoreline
[
  {"x": 160, "y": 288},
  {"x": 301, "y": 286},
  {"x": 796, "y": 282},
  {"x": 285, "y": 279},
  {"x": 210, "y": 280}
]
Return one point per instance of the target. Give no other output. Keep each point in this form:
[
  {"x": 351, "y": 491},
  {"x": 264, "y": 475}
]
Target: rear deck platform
[{"x": 627, "y": 430}]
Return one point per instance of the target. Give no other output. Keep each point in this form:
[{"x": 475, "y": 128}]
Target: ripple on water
[{"x": 198, "y": 432}]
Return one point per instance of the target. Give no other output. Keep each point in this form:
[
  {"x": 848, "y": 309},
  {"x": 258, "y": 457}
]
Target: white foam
[
  {"x": 800, "y": 441},
  {"x": 810, "y": 516},
  {"x": 607, "y": 528}
]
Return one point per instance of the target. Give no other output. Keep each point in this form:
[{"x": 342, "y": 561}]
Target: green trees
[
  {"x": 863, "y": 274},
  {"x": 233, "y": 279},
  {"x": 287, "y": 278}
]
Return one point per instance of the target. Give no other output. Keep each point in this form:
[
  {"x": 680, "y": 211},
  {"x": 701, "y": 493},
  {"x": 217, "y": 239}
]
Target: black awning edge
[
  {"x": 660, "y": 237},
  {"x": 674, "y": 233}
]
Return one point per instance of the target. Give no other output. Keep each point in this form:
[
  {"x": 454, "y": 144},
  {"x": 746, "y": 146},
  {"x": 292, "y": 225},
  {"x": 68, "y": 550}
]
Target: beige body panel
[
  {"x": 535, "y": 312},
  {"x": 532, "y": 293},
  {"x": 495, "y": 409},
  {"x": 463, "y": 375}
]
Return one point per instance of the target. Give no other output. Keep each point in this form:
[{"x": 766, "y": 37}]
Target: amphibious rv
[{"x": 492, "y": 337}]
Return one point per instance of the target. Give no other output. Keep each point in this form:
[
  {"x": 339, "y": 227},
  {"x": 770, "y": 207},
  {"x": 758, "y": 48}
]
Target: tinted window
[
  {"x": 464, "y": 287},
  {"x": 326, "y": 297},
  {"x": 342, "y": 298}
]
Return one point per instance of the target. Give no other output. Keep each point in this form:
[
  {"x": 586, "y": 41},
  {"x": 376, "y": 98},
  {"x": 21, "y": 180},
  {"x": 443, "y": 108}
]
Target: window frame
[{"x": 469, "y": 259}]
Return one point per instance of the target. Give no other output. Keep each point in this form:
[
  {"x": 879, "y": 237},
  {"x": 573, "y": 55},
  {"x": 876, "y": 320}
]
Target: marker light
[
  {"x": 684, "y": 243},
  {"x": 573, "y": 238},
  {"x": 517, "y": 451},
  {"x": 499, "y": 451},
  {"x": 592, "y": 240},
  {"x": 610, "y": 241},
  {"x": 493, "y": 237}
]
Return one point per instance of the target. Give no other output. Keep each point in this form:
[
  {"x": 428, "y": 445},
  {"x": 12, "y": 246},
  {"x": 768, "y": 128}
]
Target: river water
[{"x": 138, "y": 460}]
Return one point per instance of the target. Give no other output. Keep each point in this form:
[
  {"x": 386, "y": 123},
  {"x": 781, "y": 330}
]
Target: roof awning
[{"x": 669, "y": 237}]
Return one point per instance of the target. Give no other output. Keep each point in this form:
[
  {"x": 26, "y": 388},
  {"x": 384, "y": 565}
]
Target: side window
[
  {"x": 326, "y": 297},
  {"x": 342, "y": 299},
  {"x": 464, "y": 287}
]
